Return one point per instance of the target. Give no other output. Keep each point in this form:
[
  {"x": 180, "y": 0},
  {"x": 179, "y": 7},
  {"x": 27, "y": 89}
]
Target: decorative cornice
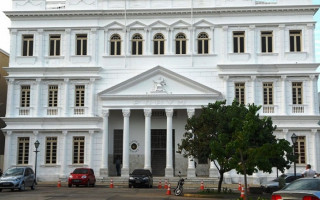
[{"x": 171, "y": 11}]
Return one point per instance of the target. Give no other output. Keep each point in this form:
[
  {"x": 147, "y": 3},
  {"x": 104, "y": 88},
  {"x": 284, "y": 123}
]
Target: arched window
[
  {"x": 203, "y": 43},
  {"x": 115, "y": 45},
  {"x": 181, "y": 44},
  {"x": 158, "y": 44},
  {"x": 137, "y": 44}
]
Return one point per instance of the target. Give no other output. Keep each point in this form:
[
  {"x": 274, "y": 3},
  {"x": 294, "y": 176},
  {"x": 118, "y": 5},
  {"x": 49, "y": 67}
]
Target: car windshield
[
  {"x": 304, "y": 184},
  {"x": 81, "y": 171},
  {"x": 14, "y": 172},
  {"x": 140, "y": 172}
]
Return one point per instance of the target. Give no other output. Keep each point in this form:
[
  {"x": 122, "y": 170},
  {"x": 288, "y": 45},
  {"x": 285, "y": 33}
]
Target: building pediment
[
  {"x": 203, "y": 24},
  {"x": 180, "y": 24},
  {"x": 157, "y": 87},
  {"x": 137, "y": 25},
  {"x": 158, "y": 24},
  {"x": 115, "y": 25}
]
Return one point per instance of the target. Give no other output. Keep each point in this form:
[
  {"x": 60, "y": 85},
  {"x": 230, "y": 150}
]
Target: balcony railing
[
  {"x": 298, "y": 108},
  {"x": 268, "y": 109},
  {"x": 52, "y": 111},
  {"x": 24, "y": 111},
  {"x": 79, "y": 111}
]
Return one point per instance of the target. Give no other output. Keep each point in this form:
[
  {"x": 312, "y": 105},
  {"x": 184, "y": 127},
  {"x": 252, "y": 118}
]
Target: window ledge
[
  {"x": 51, "y": 165},
  {"x": 296, "y": 52},
  {"x": 267, "y": 54},
  {"x": 54, "y": 57},
  {"x": 239, "y": 54},
  {"x": 78, "y": 165}
]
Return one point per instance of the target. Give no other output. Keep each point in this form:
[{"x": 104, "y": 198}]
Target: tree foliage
[{"x": 235, "y": 137}]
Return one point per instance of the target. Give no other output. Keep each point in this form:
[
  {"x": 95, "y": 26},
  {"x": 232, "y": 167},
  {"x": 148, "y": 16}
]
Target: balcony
[
  {"x": 52, "y": 111},
  {"x": 78, "y": 111},
  {"x": 24, "y": 111},
  {"x": 268, "y": 109},
  {"x": 297, "y": 109}
]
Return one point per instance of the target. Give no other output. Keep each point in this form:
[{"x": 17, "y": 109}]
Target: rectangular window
[
  {"x": 53, "y": 96},
  {"x": 25, "y": 96},
  {"x": 23, "y": 150},
  {"x": 238, "y": 41},
  {"x": 51, "y": 150},
  {"x": 295, "y": 40},
  {"x": 268, "y": 93},
  {"x": 81, "y": 44},
  {"x": 78, "y": 150},
  {"x": 79, "y": 95},
  {"x": 266, "y": 41},
  {"x": 117, "y": 145},
  {"x": 55, "y": 43},
  {"x": 300, "y": 150},
  {"x": 27, "y": 45},
  {"x": 297, "y": 93},
  {"x": 240, "y": 92}
]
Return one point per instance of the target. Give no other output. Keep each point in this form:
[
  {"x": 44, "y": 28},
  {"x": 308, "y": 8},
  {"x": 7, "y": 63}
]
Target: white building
[{"x": 92, "y": 80}]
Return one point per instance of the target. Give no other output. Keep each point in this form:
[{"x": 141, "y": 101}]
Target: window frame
[
  {"x": 237, "y": 36},
  {"x": 54, "y": 41},
  {"x": 297, "y": 89},
  {"x": 267, "y": 36},
  {"x": 25, "y": 96},
  {"x": 181, "y": 44},
  {"x": 81, "y": 44},
  {"x": 137, "y": 45},
  {"x": 53, "y": 96},
  {"x": 240, "y": 92},
  {"x": 294, "y": 45},
  {"x": 159, "y": 43},
  {"x": 204, "y": 41},
  {"x": 115, "y": 45},
  {"x": 80, "y": 94},
  {"x": 23, "y": 152},
  {"x": 80, "y": 142},
  {"x": 300, "y": 150},
  {"x": 51, "y": 150},
  {"x": 268, "y": 90},
  {"x": 27, "y": 45}
]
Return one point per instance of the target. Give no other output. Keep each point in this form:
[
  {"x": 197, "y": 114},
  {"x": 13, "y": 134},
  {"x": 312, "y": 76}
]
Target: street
[{"x": 91, "y": 193}]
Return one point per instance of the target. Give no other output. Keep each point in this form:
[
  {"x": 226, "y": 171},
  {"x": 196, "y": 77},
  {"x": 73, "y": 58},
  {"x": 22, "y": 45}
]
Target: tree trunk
[
  {"x": 245, "y": 184},
  {"x": 220, "y": 181}
]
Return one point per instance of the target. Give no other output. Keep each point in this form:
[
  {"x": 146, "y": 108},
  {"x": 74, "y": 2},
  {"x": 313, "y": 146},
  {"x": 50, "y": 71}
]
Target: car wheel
[
  {"x": 22, "y": 187},
  {"x": 69, "y": 185},
  {"x": 0, "y": 190},
  {"x": 88, "y": 183},
  {"x": 33, "y": 186},
  {"x": 93, "y": 184},
  {"x": 12, "y": 190},
  {"x": 77, "y": 185}
]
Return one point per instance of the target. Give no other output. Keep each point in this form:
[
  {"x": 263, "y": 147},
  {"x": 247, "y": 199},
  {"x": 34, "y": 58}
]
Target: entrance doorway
[{"x": 158, "y": 151}]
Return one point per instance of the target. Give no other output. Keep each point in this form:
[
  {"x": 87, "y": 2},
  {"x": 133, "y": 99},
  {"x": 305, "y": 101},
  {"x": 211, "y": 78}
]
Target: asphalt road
[{"x": 91, "y": 193}]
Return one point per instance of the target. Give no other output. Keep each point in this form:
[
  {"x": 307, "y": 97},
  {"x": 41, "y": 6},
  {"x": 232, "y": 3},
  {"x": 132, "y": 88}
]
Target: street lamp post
[
  {"x": 294, "y": 139},
  {"x": 36, "y": 145}
]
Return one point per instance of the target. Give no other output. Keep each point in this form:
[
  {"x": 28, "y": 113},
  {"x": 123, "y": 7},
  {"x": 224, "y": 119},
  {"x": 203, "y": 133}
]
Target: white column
[
  {"x": 40, "y": 48},
  {"x": 309, "y": 44},
  {"x": 37, "y": 97},
  {"x": 66, "y": 95},
  {"x": 314, "y": 147},
  {"x": 280, "y": 47},
  {"x": 226, "y": 89},
  {"x": 312, "y": 95},
  {"x": 92, "y": 97},
  {"x": 169, "y": 163},
  {"x": 125, "y": 157},
  {"x": 191, "y": 172},
  {"x": 171, "y": 42},
  {"x": 147, "y": 42},
  {"x": 10, "y": 98},
  {"x": 284, "y": 96},
  {"x": 7, "y": 150},
  {"x": 13, "y": 47},
  {"x": 105, "y": 144},
  {"x": 251, "y": 43},
  {"x": 95, "y": 46},
  {"x": 253, "y": 92},
  {"x": 91, "y": 150},
  {"x": 225, "y": 44},
  {"x": 68, "y": 48},
  {"x": 64, "y": 155},
  {"x": 212, "y": 40},
  {"x": 147, "y": 141}
]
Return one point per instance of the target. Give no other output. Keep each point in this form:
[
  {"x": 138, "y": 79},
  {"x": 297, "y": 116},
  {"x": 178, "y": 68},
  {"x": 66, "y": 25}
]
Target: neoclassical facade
[{"x": 99, "y": 80}]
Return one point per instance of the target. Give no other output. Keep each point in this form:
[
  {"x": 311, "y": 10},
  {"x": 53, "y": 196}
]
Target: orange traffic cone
[
  {"x": 202, "y": 185},
  {"x": 239, "y": 187},
  {"x": 59, "y": 184},
  {"x": 111, "y": 183},
  {"x": 242, "y": 194},
  {"x": 159, "y": 185},
  {"x": 169, "y": 190},
  {"x": 166, "y": 184}
]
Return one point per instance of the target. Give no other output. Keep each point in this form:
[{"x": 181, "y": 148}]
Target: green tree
[{"x": 234, "y": 137}]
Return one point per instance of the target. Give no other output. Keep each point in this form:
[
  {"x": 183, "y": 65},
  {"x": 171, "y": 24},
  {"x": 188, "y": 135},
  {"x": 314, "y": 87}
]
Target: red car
[{"x": 82, "y": 176}]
